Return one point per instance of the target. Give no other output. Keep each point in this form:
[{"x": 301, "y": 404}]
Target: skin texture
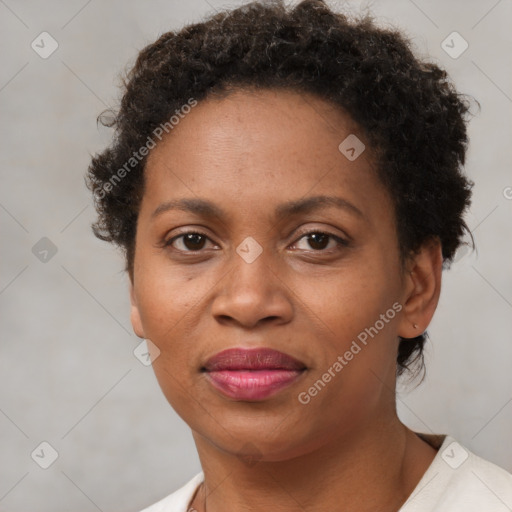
[{"x": 249, "y": 153}]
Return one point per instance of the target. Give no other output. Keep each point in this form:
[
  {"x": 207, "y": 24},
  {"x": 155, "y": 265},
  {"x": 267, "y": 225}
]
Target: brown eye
[
  {"x": 188, "y": 242},
  {"x": 319, "y": 241}
]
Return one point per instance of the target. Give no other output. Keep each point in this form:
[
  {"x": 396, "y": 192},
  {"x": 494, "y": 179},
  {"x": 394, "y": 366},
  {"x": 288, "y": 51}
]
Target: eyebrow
[{"x": 206, "y": 208}]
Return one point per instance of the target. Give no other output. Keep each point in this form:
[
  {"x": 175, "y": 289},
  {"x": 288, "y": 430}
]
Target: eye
[
  {"x": 319, "y": 241},
  {"x": 190, "y": 241}
]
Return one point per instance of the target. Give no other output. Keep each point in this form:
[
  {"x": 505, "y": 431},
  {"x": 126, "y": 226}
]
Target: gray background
[{"x": 68, "y": 375}]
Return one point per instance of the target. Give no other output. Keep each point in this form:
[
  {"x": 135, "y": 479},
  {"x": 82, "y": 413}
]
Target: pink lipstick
[{"x": 252, "y": 374}]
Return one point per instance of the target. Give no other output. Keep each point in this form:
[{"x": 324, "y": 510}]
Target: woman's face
[{"x": 254, "y": 278}]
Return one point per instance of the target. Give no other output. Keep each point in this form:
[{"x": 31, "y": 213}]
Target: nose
[{"x": 253, "y": 292}]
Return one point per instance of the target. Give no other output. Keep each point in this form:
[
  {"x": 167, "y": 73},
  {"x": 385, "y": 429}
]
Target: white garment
[{"x": 456, "y": 481}]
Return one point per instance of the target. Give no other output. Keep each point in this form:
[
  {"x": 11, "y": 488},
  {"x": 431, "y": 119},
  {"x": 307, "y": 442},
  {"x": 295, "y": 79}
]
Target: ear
[
  {"x": 135, "y": 314},
  {"x": 422, "y": 289}
]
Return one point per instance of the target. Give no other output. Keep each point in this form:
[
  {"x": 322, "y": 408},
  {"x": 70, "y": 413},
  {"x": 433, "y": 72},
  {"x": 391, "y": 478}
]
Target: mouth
[{"x": 252, "y": 374}]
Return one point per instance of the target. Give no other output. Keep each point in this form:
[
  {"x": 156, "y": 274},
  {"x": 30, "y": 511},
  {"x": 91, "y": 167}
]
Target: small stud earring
[{"x": 415, "y": 326}]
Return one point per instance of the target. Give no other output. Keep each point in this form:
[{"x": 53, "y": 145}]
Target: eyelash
[{"x": 342, "y": 242}]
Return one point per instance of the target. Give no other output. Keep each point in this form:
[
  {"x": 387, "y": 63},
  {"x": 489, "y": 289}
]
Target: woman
[{"x": 287, "y": 186}]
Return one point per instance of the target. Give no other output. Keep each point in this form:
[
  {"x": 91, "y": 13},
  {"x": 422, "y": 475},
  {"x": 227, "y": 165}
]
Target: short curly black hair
[{"x": 407, "y": 108}]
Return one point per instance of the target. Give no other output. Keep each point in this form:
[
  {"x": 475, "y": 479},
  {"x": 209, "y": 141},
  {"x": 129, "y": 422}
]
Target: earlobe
[
  {"x": 422, "y": 289},
  {"x": 135, "y": 314}
]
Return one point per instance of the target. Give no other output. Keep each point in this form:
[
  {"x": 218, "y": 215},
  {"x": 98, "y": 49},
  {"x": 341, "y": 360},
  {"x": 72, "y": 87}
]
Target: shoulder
[
  {"x": 459, "y": 480},
  {"x": 180, "y": 499}
]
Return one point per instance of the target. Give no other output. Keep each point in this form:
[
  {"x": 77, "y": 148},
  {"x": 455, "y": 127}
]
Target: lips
[
  {"x": 252, "y": 359},
  {"x": 252, "y": 374}
]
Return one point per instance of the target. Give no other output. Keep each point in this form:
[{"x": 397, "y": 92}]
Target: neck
[{"x": 375, "y": 468}]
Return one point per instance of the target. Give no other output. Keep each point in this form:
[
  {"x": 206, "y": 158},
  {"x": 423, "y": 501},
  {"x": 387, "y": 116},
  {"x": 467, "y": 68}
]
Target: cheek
[
  {"x": 173, "y": 307},
  {"x": 166, "y": 297},
  {"x": 355, "y": 316},
  {"x": 166, "y": 305},
  {"x": 346, "y": 302}
]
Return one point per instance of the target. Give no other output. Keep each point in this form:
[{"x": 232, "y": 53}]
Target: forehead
[{"x": 258, "y": 147}]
